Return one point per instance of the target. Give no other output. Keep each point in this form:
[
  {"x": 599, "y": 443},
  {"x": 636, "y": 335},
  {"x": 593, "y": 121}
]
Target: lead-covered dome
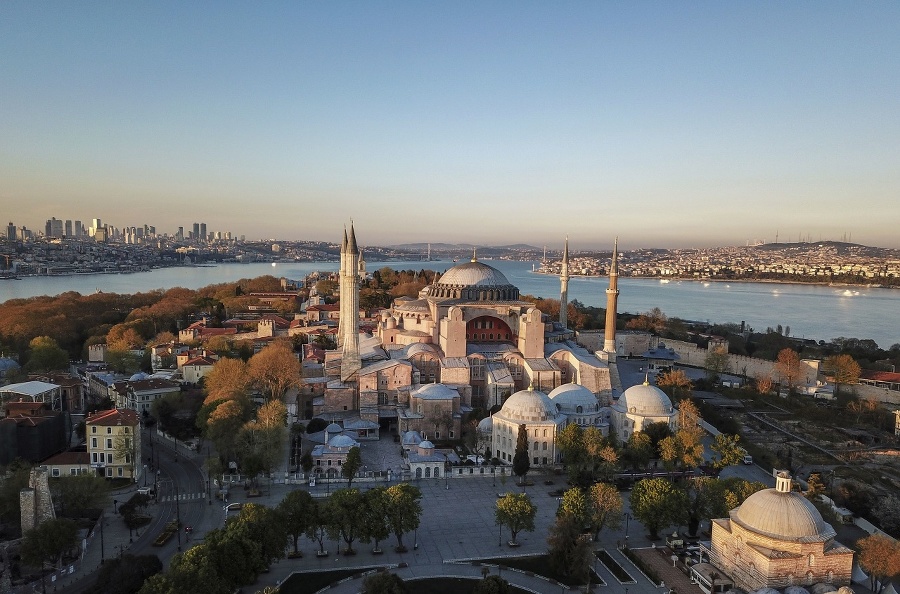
[
  {"x": 529, "y": 406},
  {"x": 782, "y": 514},
  {"x": 568, "y": 397},
  {"x": 645, "y": 400},
  {"x": 486, "y": 425},
  {"x": 473, "y": 281},
  {"x": 436, "y": 392}
]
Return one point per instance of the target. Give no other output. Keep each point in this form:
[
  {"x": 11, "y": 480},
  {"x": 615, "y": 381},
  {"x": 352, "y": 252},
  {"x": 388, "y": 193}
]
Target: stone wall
[{"x": 750, "y": 367}]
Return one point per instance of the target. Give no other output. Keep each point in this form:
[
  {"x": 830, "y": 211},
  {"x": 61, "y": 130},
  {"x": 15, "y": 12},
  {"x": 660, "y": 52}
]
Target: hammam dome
[
  {"x": 474, "y": 281},
  {"x": 574, "y": 398},
  {"x": 529, "y": 406},
  {"x": 783, "y": 514}
]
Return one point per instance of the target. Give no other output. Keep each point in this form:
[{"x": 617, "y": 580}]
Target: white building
[{"x": 542, "y": 421}]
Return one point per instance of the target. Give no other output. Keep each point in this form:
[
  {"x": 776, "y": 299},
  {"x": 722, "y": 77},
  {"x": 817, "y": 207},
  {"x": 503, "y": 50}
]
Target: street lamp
[
  {"x": 627, "y": 518},
  {"x": 115, "y": 503}
]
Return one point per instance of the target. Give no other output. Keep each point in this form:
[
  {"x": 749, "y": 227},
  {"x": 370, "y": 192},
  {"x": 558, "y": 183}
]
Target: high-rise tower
[
  {"x": 348, "y": 325},
  {"x": 564, "y": 288},
  {"x": 612, "y": 298}
]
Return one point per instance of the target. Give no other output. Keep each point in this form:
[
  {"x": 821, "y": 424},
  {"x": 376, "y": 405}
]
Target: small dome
[
  {"x": 570, "y": 396},
  {"x": 784, "y": 515},
  {"x": 473, "y": 274},
  {"x": 334, "y": 428},
  {"x": 342, "y": 441},
  {"x": 645, "y": 400},
  {"x": 529, "y": 406},
  {"x": 821, "y": 588},
  {"x": 486, "y": 425},
  {"x": 426, "y": 445},
  {"x": 138, "y": 377},
  {"x": 436, "y": 392}
]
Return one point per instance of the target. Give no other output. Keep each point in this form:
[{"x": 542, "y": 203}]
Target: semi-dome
[
  {"x": 645, "y": 400},
  {"x": 529, "y": 406},
  {"x": 782, "y": 514},
  {"x": 436, "y": 392},
  {"x": 473, "y": 274},
  {"x": 568, "y": 397},
  {"x": 485, "y": 425}
]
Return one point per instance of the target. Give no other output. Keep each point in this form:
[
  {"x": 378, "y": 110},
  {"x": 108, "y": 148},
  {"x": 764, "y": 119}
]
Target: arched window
[
  {"x": 428, "y": 472},
  {"x": 579, "y": 409},
  {"x": 418, "y": 473}
]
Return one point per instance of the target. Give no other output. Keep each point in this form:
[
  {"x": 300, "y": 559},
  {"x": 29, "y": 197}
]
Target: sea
[{"x": 819, "y": 312}]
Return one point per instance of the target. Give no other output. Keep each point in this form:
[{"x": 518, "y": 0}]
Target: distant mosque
[{"x": 467, "y": 341}]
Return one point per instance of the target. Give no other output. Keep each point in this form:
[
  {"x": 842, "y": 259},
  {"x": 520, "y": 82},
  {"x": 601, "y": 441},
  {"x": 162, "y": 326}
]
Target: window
[
  {"x": 437, "y": 434},
  {"x": 109, "y": 472},
  {"x": 126, "y": 430},
  {"x": 93, "y": 429},
  {"x": 120, "y": 471},
  {"x": 318, "y": 462},
  {"x": 54, "y": 472},
  {"x": 75, "y": 471},
  {"x": 109, "y": 430},
  {"x": 94, "y": 443},
  {"x": 535, "y": 460},
  {"x": 109, "y": 458},
  {"x": 329, "y": 462},
  {"x": 451, "y": 435},
  {"x": 94, "y": 457},
  {"x": 108, "y": 444}
]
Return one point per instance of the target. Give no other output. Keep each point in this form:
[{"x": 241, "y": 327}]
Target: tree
[
  {"x": 46, "y": 355},
  {"x": 262, "y": 526},
  {"x": 570, "y": 444},
  {"x": 689, "y": 434},
  {"x": 297, "y": 510},
  {"x": 887, "y": 511},
  {"x": 674, "y": 379},
  {"x": 403, "y": 510},
  {"x": 716, "y": 362},
  {"x": 275, "y": 369},
  {"x": 814, "y": 486},
  {"x": 727, "y": 450},
  {"x": 384, "y": 582},
  {"x": 345, "y": 520},
  {"x": 79, "y": 492},
  {"x": 604, "y": 508},
  {"x": 317, "y": 529},
  {"x": 656, "y": 503},
  {"x": 17, "y": 477},
  {"x": 375, "y": 526},
  {"x": 126, "y": 574},
  {"x": 521, "y": 462},
  {"x": 569, "y": 550},
  {"x": 123, "y": 361},
  {"x": 228, "y": 379},
  {"x": 879, "y": 556},
  {"x": 48, "y": 541},
  {"x": 351, "y": 465},
  {"x": 844, "y": 370},
  {"x": 125, "y": 449},
  {"x": 574, "y": 505},
  {"x": 787, "y": 366},
  {"x": 492, "y": 584},
  {"x": 516, "y": 512},
  {"x": 763, "y": 384},
  {"x": 639, "y": 450}
]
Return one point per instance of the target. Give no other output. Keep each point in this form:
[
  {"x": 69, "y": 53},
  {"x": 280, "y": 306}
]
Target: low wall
[{"x": 750, "y": 367}]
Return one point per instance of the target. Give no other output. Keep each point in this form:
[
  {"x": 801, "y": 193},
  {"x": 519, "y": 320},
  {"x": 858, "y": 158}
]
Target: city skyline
[{"x": 667, "y": 125}]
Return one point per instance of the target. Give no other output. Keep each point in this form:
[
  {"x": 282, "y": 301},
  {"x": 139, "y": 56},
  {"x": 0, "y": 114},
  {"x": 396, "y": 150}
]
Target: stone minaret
[
  {"x": 612, "y": 298},
  {"x": 564, "y": 288},
  {"x": 348, "y": 329}
]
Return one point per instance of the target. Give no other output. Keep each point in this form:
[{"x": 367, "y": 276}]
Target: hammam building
[
  {"x": 776, "y": 539},
  {"x": 466, "y": 341}
]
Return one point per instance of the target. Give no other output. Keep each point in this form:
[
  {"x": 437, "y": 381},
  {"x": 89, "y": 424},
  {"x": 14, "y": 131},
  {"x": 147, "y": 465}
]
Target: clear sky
[{"x": 667, "y": 123}]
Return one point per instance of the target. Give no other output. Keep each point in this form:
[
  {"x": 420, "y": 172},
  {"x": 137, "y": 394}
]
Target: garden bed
[{"x": 614, "y": 568}]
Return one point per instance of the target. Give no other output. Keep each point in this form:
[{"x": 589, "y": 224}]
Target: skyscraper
[
  {"x": 195, "y": 233},
  {"x": 203, "y": 232}
]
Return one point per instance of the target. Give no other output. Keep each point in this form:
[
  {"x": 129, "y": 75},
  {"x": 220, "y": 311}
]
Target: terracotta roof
[
  {"x": 71, "y": 458},
  {"x": 879, "y": 376},
  {"x": 113, "y": 417},
  {"x": 200, "y": 361}
]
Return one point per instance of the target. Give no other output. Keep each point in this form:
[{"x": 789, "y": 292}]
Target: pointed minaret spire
[
  {"x": 351, "y": 244},
  {"x": 564, "y": 287},
  {"x": 612, "y": 299},
  {"x": 474, "y": 256}
]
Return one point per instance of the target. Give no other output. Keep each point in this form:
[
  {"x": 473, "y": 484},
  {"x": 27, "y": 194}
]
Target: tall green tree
[
  {"x": 261, "y": 525},
  {"x": 319, "y": 521},
  {"x": 727, "y": 450},
  {"x": 344, "y": 513},
  {"x": 574, "y": 505},
  {"x": 569, "y": 551},
  {"x": 521, "y": 461},
  {"x": 516, "y": 512},
  {"x": 297, "y": 510},
  {"x": 126, "y": 574},
  {"x": 351, "y": 465},
  {"x": 604, "y": 508},
  {"x": 404, "y": 510},
  {"x": 46, "y": 355},
  {"x": 48, "y": 542},
  {"x": 375, "y": 521},
  {"x": 78, "y": 492},
  {"x": 656, "y": 503}
]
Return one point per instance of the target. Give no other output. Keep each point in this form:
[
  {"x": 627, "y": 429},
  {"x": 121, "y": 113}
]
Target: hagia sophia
[{"x": 468, "y": 341}]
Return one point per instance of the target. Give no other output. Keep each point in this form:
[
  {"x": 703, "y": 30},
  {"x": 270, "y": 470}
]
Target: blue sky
[{"x": 669, "y": 124}]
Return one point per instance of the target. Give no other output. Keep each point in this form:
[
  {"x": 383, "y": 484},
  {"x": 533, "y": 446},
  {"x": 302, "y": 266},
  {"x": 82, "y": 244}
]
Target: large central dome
[
  {"x": 473, "y": 274},
  {"x": 474, "y": 281}
]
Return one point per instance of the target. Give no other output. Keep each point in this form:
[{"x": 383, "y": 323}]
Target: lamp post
[
  {"x": 627, "y": 518},
  {"x": 145, "y": 475},
  {"x": 115, "y": 504}
]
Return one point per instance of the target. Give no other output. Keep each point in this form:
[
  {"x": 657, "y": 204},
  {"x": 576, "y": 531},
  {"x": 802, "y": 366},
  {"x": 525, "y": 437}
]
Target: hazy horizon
[{"x": 667, "y": 125}]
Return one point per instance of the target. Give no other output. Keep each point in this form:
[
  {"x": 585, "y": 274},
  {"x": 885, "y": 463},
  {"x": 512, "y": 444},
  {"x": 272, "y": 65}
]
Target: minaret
[
  {"x": 342, "y": 321},
  {"x": 612, "y": 298},
  {"x": 564, "y": 288},
  {"x": 348, "y": 329}
]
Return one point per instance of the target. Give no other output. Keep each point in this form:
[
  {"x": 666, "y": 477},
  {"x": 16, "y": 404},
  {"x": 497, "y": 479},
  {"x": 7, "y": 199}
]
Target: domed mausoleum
[
  {"x": 776, "y": 539},
  {"x": 536, "y": 411},
  {"x": 580, "y": 406},
  {"x": 639, "y": 406}
]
